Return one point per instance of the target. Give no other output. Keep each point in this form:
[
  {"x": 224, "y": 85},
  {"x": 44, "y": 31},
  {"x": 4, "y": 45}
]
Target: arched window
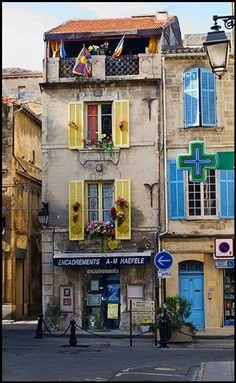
[
  {"x": 199, "y": 98},
  {"x": 191, "y": 266}
]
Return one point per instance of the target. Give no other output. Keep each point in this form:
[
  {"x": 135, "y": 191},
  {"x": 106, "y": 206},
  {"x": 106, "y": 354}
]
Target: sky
[{"x": 24, "y": 23}]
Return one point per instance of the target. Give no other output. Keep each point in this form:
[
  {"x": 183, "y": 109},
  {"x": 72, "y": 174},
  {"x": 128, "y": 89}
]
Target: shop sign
[
  {"x": 224, "y": 264},
  {"x": 101, "y": 261},
  {"x": 103, "y": 271},
  {"x": 143, "y": 317},
  {"x": 143, "y": 306}
]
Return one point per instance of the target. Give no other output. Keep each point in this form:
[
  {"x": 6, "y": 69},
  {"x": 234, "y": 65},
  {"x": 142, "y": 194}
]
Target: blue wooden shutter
[
  {"x": 227, "y": 193},
  {"x": 191, "y": 98},
  {"x": 208, "y": 97},
  {"x": 176, "y": 192}
]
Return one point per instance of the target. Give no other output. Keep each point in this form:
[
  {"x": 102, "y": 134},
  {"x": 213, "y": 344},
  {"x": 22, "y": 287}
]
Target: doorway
[
  {"x": 191, "y": 286},
  {"x": 19, "y": 288},
  {"x": 102, "y": 301}
]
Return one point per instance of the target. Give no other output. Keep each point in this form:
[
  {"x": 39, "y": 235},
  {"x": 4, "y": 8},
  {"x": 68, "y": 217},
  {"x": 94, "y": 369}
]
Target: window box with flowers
[
  {"x": 105, "y": 143},
  {"x": 102, "y": 231}
]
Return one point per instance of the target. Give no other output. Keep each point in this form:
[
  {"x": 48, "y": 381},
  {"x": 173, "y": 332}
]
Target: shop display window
[{"x": 229, "y": 297}]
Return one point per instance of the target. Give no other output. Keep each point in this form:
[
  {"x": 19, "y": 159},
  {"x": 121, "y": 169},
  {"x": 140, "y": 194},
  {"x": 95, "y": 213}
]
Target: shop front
[{"x": 102, "y": 285}]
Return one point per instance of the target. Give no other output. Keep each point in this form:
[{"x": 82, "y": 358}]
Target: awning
[{"x": 101, "y": 260}]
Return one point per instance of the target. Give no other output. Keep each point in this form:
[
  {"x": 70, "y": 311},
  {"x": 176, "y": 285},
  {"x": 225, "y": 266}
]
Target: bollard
[
  {"x": 164, "y": 329},
  {"x": 73, "y": 339},
  {"x": 39, "y": 330}
]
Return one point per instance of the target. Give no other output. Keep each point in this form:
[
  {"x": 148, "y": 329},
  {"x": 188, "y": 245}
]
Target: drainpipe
[
  {"x": 160, "y": 234},
  {"x": 164, "y": 153}
]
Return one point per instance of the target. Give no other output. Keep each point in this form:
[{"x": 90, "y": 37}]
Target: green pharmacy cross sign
[{"x": 197, "y": 161}]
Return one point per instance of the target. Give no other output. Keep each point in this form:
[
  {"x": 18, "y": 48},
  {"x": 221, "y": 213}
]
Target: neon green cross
[{"x": 197, "y": 161}]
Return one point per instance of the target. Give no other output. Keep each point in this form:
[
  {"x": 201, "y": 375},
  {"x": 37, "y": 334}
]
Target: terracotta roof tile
[{"x": 103, "y": 25}]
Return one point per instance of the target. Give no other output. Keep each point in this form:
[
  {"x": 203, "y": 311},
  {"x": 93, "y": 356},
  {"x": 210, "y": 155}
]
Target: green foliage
[
  {"x": 53, "y": 313},
  {"x": 179, "y": 309}
]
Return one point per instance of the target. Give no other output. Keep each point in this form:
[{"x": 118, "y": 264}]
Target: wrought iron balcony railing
[{"x": 122, "y": 66}]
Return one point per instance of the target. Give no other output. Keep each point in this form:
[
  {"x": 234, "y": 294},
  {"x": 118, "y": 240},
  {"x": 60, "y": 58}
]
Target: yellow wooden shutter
[
  {"x": 122, "y": 189},
  {"x": 121, "y": 115},
  {"x": 75, "y": 121},
  {"x": 76, "y": 210}
]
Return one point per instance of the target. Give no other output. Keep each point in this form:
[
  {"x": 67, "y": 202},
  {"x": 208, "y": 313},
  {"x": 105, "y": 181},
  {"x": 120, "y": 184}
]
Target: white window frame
[{"x": 202, "y": 216}]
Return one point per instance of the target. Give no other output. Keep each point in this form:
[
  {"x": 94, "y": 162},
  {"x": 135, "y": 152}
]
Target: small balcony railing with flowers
[{"x": 141, "y": 66}]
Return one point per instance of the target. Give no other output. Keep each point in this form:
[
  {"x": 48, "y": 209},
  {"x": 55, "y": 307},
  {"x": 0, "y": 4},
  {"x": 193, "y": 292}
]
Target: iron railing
[{"x": 121, "y": 66}]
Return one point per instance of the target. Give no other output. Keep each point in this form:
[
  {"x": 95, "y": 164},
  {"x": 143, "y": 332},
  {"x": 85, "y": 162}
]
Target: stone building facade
[
  {"x": 199, "y": 217},
  {"x": 84, "y": 179},
  {"x": 21, "y": 83},
  {"x": 21, "y": 200}
]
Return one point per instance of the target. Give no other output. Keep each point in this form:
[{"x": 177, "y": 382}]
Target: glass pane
[
  {"x": 93, "y": 190},
  {"x": 106, "y": 108},
  {"x": 93, "y": 216},
  {"x": 107, "y": 126}
]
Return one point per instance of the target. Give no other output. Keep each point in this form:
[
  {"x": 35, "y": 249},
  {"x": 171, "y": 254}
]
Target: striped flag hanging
[
  {"x": 119, "y": 48},
  {"x": 62, "y": 50}
]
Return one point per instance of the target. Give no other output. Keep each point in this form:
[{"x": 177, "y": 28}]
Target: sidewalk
[
  {"x": 210, "y": 334},
  {"x": 216, "y": 372}
]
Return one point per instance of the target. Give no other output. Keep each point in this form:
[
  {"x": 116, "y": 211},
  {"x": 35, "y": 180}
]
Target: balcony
[{"x": 141, "y": 66}]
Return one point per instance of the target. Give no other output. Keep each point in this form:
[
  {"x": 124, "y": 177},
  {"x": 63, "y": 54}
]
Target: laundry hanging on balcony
[
  {"x": 83, "y": 65},
  {"x": 119, "y": 48},
  {"x": 62, "y": 50}
]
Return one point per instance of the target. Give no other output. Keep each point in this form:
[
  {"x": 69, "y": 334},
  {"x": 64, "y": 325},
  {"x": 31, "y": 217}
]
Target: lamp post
[
  {"x": 43, "y": 215},
  {"x": 217, "y": 45}
]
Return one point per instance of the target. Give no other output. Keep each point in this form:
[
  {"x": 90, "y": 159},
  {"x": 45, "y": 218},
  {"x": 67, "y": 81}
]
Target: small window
[
  {"x": 202, "y": 196},
  {"x": 22, "y": 92},
  {"x": 191, "y": 266}
]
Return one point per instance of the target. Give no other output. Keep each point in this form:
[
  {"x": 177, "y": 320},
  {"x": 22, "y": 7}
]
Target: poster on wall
[
  {"x": 112, "y": 311},
  {"x": 112, "y": 292}
]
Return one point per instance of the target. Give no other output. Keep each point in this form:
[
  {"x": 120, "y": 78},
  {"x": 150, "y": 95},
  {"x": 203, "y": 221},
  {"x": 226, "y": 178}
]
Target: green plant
[
  {"x": 179, "y": 309},
  {"x": 107, "y": 144},
  {"x": 53, "y": 313}
]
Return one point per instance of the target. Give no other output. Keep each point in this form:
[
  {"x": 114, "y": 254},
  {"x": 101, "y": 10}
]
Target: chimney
[{"x": 162, "y": 15}]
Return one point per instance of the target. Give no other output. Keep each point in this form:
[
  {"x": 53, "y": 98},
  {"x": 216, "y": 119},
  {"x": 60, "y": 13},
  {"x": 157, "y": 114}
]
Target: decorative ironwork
[
  {"x": 229, "y": 21},
  {"x": 66, "y": 67},
  {"x": 122, "y": 66}
]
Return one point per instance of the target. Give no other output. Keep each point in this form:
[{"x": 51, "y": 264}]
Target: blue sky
[{"x": 24, "y": 23}]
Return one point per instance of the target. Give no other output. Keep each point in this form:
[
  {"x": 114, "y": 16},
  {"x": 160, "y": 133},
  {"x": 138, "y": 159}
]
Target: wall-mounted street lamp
[
  {"x": 43, "y": 215},
  {"x": 217, "y": 45}
]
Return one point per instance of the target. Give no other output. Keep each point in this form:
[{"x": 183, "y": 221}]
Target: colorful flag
[
  {"x": 62, "y": 50},
  {"x": 119, "y": 48},
  {"x": 82, "y": 65}
]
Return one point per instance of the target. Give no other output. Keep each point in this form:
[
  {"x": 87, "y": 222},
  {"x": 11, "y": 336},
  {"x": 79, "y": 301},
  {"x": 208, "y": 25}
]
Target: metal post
[
  {"x": 39, "y": 330},
  {"x": 155, "y": 324},
  {"x": 73, "y": 339},
  {"x": 130, "y": 324}
]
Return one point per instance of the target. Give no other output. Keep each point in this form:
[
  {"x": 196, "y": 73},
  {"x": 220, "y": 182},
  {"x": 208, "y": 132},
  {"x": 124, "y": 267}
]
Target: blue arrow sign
[{"x": 163, "y": 260}]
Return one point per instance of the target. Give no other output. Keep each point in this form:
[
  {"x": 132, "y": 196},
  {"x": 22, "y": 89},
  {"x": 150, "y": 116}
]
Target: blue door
[{"x": 192, "y": 288}]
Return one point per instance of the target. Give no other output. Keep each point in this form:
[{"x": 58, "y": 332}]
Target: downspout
[
  {"x": 162, "y": 282},
  {"x": 164, "y": 153}
]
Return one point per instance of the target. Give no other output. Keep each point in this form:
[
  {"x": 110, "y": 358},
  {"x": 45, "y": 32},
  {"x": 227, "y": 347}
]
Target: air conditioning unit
[{"x": 224, "y": 248}]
